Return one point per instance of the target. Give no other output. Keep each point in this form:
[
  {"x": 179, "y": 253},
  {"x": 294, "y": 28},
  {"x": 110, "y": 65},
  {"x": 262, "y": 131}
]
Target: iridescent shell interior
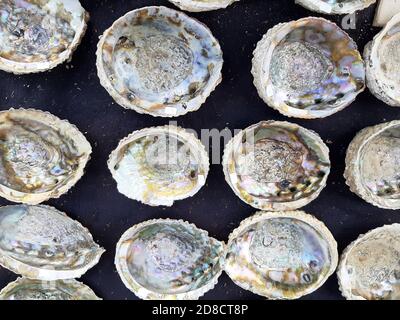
[
  {"x": 28, "y": 289},
  {"x": 311, "y": 68},
  {"x": 202, "y": 5},
  {"x": 335, "y": 6},
  {"x": 159, "y": 165},
  {"x": 383, "y": 62},
  {"x": 280, "y": 257},
  {"x": 40, "y": 242},
  {"x": 167, "y": 259},
  {"x": 39, "y": 31},
  {"x": 379, "y": 163},
  {"x": 273, "y": 164},
  {"x": 159, "y": 61},
  {"x": 370, "y": 268},
  {"x": 41, "y": 156}
]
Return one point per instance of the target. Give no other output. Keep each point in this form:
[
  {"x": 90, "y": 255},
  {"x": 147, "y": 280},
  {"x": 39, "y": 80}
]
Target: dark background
[{"x": 72, "y": 91}]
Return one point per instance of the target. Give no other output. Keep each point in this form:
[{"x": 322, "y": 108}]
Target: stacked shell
[
  {"x": 37, "y": 35},
  {"x": 382, "y": 56},
  {"x": 308, "y": 68},
  {"x": 159, "y": 61}
]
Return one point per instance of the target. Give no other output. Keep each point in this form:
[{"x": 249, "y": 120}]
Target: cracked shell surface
[
  {"x": 309, "y": 68},
  {"x": 276, "y": 165},
  {"x": 159, "y": 61},
  {"x": 169, "y": 260},
  {"x": 40, "y": 242},
  {"x": 29, "y": 289},
  {"x": 281, "y": 255},
  {"x": 382, "y": 57},
  {"x": 372, "y": 164},
  {"x": 42, "y": 157},
  {"x": 369, "y": 268},
  {"x": 201, "y": 5},
  {"x": 159, "y": 165},
  {"x": 335, "y": 6},
  {"x": 37, "y": 35}
]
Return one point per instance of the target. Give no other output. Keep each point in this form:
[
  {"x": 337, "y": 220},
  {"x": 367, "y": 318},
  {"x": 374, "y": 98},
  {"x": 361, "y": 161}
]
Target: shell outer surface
[
  {"x": 276, "y": 166},
  {"x": 369, "y": 267},
  {"x": 202, "y": 5},
  {"x": 309, "y": 68},
  {"x": 281, "y": 255},
  {"x": 169, "y": 260},
  {"x": 38, "y": 35},
  {"x": 372, "y": 162},
  {"x": 159, "y": 61},
  {"x": 159, "y": 165},
  {"x": 335, "y": 6},
  {"x": 40, "y": 242},
  {"x": 42, "y": 156},
  {"x": 382, "y": 59},
  {"x": 29, "y": 289}
]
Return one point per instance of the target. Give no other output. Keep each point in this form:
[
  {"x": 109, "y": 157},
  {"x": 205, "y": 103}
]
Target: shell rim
[
  {"x": 196, "y": 6},
  {"x": 322, "y": 7}
]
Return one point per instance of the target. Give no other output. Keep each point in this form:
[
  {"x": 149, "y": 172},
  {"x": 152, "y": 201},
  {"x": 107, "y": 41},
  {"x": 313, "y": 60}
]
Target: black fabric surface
[{"x": 72, "y": 91}]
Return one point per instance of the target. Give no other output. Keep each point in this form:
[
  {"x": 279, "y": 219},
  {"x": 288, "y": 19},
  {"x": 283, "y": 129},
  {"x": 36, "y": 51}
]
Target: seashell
[
  {"x": 369, "y": 268},
  {"x": 169, "y": 260},
  {"x": 382, "y": 56},
  {"x": 335, "y": 6},
  {"x": 276, "y": 165},
  {"x": 42, "y": 157},
  {"x": 159, "y": 61},
  {"x": 201, "y": 5},
  {"x": 309, "y": 68},
  {"x": 159, "y": 165},
  {"x": 372, "y": 163},
  {"x": 281, "y": 255},
  {"x": 40, "y": 242},
  {"x": 38, "y": 35},
  {"x": 28, "y": 289}
]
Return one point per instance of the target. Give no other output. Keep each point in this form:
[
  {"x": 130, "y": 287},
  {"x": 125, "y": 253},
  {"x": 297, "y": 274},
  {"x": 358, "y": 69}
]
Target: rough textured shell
[
  {"x": 202, "y": 5},
  {"x": 28, "y": 289},
  {"x": 372, "y": 163},
  {"x": 169, "y": 260},
  {"x": 335, "y": 6},
  {"x": 40, "y": 242},
  {"x": 309, "y": 68},
  {"x": 382, "y": 59},
  {"x": 369, "y": 267},
  {"x": 38, "y": 35},
  {"x": 276, "y": 165},
  {"x": 159, "y": 165},
  {"x": 42, "y": 157},
  {"x": 281, "y": 255},
  {"x": 159, "y": 61}
]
